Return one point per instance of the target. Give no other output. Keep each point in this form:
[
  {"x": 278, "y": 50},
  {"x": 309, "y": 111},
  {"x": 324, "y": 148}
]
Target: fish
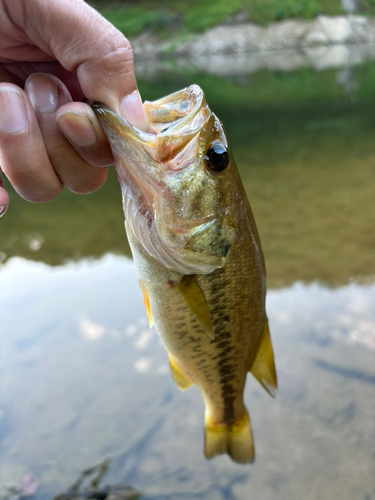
[{"x": 198, "y": 257}]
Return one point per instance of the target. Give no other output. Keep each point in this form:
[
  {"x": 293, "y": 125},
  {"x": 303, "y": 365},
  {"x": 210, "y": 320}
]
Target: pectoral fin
[
  {"x": 146, "y": 302},
  {"x": 181, "y": 380},
  {"x": 195, "y": 299},
  {"x": 263, "y": 367}
]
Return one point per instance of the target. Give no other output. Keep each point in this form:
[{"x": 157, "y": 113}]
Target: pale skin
[{"x": 56, "y": 57}]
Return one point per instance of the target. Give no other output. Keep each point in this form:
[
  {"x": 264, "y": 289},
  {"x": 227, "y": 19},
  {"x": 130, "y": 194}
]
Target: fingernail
[
  {"x": 13, "y": 111},
  {"x": 3, "y": 209},
  {"x": 43, "y": 92},
  {"x": 132, "y": 110},
  {"x": 77, "y": 128}
]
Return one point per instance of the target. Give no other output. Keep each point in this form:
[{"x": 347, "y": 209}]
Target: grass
[
  {"x": 132, "y": 20},
  {"x": 166, "y": 17},
  {"x": 267, "y": 11}
]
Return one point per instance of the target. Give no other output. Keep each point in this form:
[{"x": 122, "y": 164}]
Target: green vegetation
[
  {"x": 205, "y": 14},
  {"x": 267, "y": 11},
  {"x": 132, "y": 20},
  {"x": 166, "y": 17}
]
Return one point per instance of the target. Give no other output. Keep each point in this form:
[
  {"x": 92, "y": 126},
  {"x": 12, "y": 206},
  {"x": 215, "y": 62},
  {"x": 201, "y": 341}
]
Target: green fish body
[{"x": 198, "y": 257}]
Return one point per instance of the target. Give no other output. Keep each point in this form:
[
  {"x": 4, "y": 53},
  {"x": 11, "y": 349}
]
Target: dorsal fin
[
  {"x": 263, "y": 367},
  {"x": 182, "y": 381},
  {"x": 195, "y": 299}
]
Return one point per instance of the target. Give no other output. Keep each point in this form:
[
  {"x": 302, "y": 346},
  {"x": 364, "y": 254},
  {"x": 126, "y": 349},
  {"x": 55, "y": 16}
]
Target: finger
[
  {"x": 18, "y": 74},
  {"x": 79, "y": 124},
  {"x": 47, "y": 94},
  {"x": 23, "y": 156},
  {"x": 83, "y": 41},
  {"x": 4, "y": 197}
]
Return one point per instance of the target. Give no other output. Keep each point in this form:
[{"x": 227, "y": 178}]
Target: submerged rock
[{"x": 94, "y": 475}]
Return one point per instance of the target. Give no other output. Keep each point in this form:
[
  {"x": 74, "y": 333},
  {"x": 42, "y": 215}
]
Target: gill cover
[{"x": 177, "y": 182}]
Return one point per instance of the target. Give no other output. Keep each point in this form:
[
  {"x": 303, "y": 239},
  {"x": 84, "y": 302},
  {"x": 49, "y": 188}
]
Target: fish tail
[{"x": 234, "y": 439}]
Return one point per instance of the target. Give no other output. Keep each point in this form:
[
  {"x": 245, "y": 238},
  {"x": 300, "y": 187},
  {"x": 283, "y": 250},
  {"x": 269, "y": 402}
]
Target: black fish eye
[{"x": 217, "y": 158}]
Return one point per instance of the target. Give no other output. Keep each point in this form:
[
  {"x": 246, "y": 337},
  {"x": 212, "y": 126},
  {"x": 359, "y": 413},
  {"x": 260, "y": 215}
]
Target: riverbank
[{"x": 251, "y": 38}]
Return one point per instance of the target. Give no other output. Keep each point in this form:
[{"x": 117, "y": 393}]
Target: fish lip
[
  {"x": 193, "y": 93},
  {"x": 117, "y": 120}
]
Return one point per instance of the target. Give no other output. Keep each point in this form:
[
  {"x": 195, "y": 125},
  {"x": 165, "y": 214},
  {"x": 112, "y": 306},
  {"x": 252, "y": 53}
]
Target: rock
[
  {"x": 336, "y": 30},
  {"x": 244, "y": 38},
  {"x": 228, "y": 39},
  {"x": 284, "y": 35}
]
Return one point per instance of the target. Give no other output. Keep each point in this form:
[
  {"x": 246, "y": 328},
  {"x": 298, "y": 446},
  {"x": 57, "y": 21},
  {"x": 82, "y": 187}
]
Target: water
[{"x": 82, "y": 375}]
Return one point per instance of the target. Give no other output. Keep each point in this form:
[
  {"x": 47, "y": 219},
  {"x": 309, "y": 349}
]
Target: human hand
[{"x": 64, "y": 52}]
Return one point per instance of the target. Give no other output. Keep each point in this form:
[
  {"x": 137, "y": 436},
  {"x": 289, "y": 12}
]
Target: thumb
[{"x": 83, "y": 41}]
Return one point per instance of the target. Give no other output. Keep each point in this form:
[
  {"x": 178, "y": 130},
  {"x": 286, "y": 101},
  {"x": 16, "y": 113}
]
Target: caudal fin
[{"x": 236, "y": 440}]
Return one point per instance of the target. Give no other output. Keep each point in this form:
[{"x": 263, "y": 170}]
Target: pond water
[{"x": 82, "y": 376}]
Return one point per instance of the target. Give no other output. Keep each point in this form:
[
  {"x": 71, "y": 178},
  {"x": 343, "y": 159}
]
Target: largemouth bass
[{"x": 198, "y": 257}]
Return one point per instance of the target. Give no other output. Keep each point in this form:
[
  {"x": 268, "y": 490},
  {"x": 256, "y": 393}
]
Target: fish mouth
[
  {"x": 141, "y": 158},
  {"x": 174, "y": 121}
]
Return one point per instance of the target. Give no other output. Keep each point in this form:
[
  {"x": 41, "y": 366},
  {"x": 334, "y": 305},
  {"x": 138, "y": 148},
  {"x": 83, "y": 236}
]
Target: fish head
[{"x": 178, "y": 182}]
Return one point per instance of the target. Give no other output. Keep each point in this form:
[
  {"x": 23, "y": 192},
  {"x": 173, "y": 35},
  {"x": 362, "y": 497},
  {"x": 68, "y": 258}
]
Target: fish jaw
[{"x": 172, "y": 204}]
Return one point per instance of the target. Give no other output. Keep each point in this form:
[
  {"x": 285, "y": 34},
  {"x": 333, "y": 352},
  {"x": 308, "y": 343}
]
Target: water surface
[{"x": 83, "y": 376}]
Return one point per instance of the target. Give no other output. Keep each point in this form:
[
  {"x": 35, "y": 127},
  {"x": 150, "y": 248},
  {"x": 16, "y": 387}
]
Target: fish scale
[{"x": 198, "y": 257}]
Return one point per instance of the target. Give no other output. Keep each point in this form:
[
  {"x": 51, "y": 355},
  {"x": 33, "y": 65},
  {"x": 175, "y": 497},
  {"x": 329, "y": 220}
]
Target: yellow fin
[
  {"x": 181, "y": 380},
  {"x": 263, "y": 367},
  {"x": 236, "y": 440},
  {"x": 146, "y": 302},
  {"x": 195, "y": 299}
]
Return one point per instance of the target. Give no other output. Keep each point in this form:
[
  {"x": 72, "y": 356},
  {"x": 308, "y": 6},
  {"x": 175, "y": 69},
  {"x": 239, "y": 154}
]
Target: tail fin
[{"x": 236, "y": 440}]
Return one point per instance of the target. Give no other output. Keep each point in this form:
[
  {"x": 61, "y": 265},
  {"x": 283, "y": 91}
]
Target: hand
[{"x": 63, "y": 53}]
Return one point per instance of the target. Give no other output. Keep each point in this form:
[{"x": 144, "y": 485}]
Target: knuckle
[
  {"x": 116, "y": 45},
  {"x": 116, "y": 53}
]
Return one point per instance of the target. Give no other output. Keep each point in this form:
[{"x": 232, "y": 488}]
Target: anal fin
[
  {"x": 182, "y": 381},
  {"x": 263, "y": 367}
]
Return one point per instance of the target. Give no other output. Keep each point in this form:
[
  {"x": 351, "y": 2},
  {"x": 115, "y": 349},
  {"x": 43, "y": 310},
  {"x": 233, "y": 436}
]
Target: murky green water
[{"x": 82, "y": 375}]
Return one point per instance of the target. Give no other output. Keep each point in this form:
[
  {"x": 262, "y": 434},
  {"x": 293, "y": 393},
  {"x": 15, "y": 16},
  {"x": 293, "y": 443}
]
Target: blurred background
[{"x": 82, "y": 376}]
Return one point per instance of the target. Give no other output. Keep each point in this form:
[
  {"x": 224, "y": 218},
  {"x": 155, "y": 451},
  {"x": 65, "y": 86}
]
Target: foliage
[
  {"x": 266, "y": 11},
  {"x": 206, "y": 14},
  {"x": 170, "y": 16},
  {"x": 133, "y": 20}
]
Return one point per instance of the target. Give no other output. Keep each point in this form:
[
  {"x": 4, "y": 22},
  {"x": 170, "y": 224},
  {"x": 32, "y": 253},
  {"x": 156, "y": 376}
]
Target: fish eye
[{"x": 217, "y": 158}]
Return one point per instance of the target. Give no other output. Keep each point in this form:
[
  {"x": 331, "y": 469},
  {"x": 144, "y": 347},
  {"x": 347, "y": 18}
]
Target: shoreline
[{"x": 248, "y": 38}]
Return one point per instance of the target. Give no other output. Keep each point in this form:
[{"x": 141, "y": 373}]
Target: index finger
[{"x": 84, "y": 41}]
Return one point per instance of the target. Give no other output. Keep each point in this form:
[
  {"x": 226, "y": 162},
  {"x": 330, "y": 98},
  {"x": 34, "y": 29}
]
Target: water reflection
[{"x": 83, "y": 376}]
